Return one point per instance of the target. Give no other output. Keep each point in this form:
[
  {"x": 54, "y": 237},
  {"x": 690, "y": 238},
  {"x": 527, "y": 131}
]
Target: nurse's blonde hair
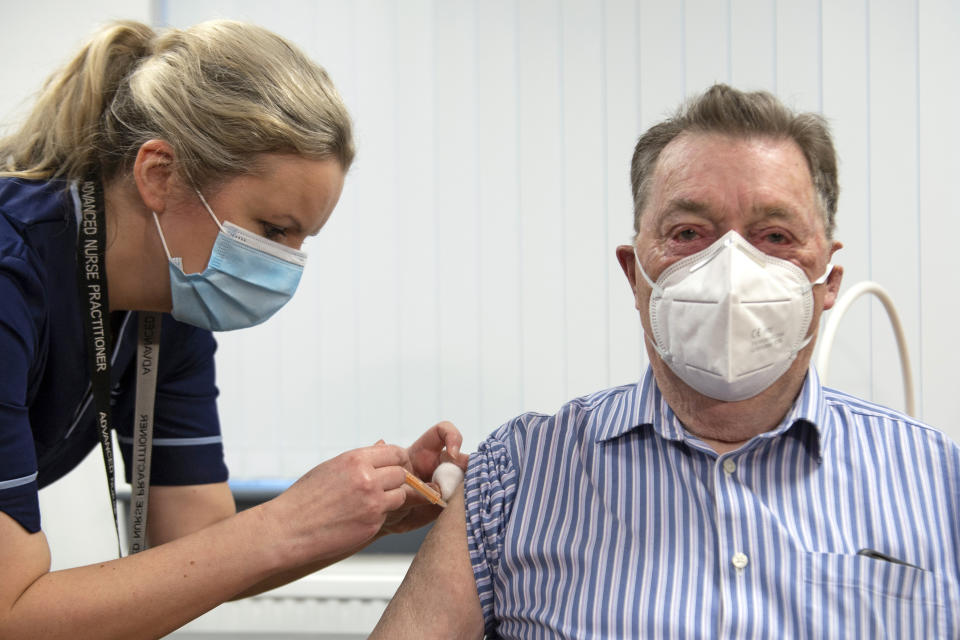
[{"x": 219, "y": 93}]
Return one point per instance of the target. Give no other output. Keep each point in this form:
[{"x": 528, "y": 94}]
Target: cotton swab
[{"x": 448, "y": 477}]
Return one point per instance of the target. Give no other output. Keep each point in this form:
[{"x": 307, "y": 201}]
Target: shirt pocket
[{"x": 857, "y": 596}]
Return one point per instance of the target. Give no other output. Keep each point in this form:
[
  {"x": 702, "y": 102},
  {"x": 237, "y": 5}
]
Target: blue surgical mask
[{"x": 247, "y": 279}]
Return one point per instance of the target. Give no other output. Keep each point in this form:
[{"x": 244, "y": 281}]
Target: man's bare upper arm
[{"x": 438, "y": 597}]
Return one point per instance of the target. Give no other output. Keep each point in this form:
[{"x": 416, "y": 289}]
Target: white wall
[
  {"x": 39, "y": 36},
  {"x": 469, "y": 273}
]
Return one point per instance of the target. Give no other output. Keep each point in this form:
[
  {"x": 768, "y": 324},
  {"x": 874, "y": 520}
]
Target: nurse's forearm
[
  {"x": 333, "y": 509},
  {"x": 286, "y": 577},
  {"x": 152, "y": 593}
]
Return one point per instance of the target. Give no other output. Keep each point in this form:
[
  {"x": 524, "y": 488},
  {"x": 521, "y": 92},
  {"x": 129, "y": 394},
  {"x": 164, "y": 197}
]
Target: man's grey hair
[{"x": 728, "y": 111}]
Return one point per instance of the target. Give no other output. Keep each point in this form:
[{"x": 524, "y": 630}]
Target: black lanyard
[
  {"x": 92, "y": 279},
  {"x": 92, "y": 274}
]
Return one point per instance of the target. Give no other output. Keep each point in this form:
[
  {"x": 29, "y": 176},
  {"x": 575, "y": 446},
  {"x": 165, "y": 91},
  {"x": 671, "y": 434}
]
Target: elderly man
[{"x": 727, "y": 493}]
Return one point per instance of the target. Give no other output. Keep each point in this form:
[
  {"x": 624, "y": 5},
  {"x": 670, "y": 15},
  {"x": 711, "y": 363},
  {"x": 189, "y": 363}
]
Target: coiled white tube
[{"x": 830, "y": 332}]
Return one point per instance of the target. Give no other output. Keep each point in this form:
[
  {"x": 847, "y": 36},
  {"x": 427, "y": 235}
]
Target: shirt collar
[
  {"x": 648, "y": 409},
  {"x": 809, "y": 411}
]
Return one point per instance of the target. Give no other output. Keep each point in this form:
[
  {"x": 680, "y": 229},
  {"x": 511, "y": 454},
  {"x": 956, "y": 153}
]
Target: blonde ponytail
[
  {"x": 220, "y": 93},
  {"x": 61, "y": 134}
]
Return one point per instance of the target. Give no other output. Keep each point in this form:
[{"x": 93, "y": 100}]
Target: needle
[{"x": 424, "y": 490}]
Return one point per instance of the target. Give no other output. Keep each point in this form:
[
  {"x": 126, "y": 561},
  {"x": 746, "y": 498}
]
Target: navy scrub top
[{"x": 47, "y": 422}]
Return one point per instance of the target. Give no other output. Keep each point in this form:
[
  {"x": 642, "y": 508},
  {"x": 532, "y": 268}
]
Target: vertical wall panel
[
  {"x": 661, "y": 68},
  {"x": 249, "y": 355},
  {"x": 584, "y": 250},
  {"x": 296, "y": 20},
  {"x": 541, "y": 181},
  {"x": 377, "y": 300},
  {"x": 706, "y": 25},
  {"x": 846, "y": 105},
  {"x": 753, "y": 50},
  {"x": 938, "y": 166},
  {"x": 297, "y": 342},
  {"x": 799, "y": 53},
  {"x": 330, "y": 409},
  {"x": 501, "y": 369},
  {"x": 458, "y": 224},
  {"x": 417, "y": 224},
  {"x": 621, "y": 93},
  {"x": 893, "y": 182}
]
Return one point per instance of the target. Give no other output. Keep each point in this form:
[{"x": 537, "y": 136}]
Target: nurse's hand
[
  {"x": 339, "y": 506},
  {"x": 441, "y": 443}
]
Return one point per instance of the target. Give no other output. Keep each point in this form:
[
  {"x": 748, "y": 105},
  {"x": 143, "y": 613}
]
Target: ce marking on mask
[{"x": 762, "y": 338}]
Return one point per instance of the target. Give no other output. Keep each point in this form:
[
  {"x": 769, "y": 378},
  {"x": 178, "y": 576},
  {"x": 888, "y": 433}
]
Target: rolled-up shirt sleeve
[{"x": 489, "y": 490}]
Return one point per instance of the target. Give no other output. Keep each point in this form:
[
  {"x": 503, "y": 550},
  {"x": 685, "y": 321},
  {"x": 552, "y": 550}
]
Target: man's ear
[
  {"x": 833, "y": 280},
  {"x": 153, "y": 172},
  {"x": 628, "y": 262}
]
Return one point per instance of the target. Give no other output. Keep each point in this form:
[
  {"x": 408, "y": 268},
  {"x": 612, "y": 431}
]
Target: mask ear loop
[
  {"x": 209, "y": 210},
  {"x": 822, "y": 279},
  {"x": 657, "y": 291},
  {"x": 163, "y": 240}
]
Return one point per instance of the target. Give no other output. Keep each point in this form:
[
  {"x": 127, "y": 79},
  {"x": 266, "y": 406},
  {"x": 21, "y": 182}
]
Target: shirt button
[
  {"x": 729, "y": 466},
  {"x": 739, "y": 560}
]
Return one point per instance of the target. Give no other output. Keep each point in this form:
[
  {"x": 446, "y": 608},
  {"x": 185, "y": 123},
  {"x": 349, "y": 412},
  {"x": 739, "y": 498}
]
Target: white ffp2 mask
[{"x": 729, "y": 320}]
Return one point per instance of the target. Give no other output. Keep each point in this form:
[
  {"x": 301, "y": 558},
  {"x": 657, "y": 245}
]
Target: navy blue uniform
[{"x": 46, "y": 411}]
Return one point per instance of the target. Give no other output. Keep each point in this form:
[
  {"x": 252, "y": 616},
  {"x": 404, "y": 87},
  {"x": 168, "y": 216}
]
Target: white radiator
[{"x": 341, "y": 602}]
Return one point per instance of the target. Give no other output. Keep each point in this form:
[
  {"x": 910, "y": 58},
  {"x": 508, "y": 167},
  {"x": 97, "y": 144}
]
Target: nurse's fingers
[
  {"x": 395, "y": 498},
  {"x": 385, "y": 455},
  {"x": 390, "y": 477},
  {"x": 443, "y": 434}
]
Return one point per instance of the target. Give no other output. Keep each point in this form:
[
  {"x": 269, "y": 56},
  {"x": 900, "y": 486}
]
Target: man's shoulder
[
  {"x": 578, "y": 418},
  {"x": 877, "y": 418}
]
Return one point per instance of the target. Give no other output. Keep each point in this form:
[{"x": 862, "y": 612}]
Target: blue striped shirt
[{"x": 609, "y": 520}]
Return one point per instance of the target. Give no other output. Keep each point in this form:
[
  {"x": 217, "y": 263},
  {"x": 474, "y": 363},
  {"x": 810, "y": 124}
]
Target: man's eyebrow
[
  {"x": 686, "y": 204},
  {"x": 787, "y": 214}
]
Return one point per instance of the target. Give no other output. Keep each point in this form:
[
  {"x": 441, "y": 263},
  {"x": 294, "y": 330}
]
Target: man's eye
[
  {"x": 686, "y": 235},
  {"x": 273, "y": 232},
  {"x": 777, "y": 238}
]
